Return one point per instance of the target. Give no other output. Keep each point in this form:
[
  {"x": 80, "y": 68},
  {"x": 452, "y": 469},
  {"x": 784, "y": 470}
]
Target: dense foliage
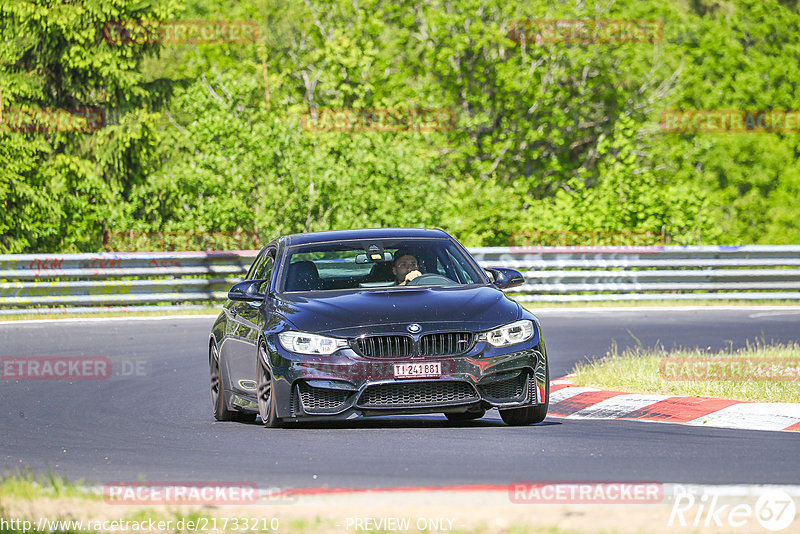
[{"x": 557, "y": 137}]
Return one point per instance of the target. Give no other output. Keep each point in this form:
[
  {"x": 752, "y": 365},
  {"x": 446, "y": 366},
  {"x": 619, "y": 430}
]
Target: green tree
[{"x": 53, "y": 55}]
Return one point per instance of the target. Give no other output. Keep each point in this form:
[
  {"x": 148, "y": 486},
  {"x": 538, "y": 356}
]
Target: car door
[
  {"x": 245, "y": 322},
  {"x": 232, "y": 309}
]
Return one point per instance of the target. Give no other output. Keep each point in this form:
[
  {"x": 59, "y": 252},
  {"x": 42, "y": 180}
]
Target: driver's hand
[{"x": 410, "y": 276}]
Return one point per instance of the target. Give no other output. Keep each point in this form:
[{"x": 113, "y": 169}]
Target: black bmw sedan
[{"x": 342, "y": 324}]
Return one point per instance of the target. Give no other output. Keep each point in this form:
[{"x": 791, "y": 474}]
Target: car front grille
[
  {"x": 402, "y": 346},
  {"x": 417, "y": 394},
  {"x": 384, "y": 346},
  {"x": 446, "y": 343},
  {"x": 322, "y": 400},
  {"x": 508, "y": 390}
]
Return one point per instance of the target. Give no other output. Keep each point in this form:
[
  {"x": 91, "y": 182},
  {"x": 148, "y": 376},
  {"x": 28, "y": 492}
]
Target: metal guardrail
[
  {"x": 563, "y": 274},
  {"x": 33, "y": 283},
  {"x": 111, "y": 281}
]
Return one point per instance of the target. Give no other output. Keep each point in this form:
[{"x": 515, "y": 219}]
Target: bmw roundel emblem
[{"x": 413, "y": 328}]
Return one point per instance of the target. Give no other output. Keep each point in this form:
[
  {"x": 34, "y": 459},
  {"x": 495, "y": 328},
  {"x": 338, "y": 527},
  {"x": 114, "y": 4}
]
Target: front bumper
[{"x": 346, "y": 385}]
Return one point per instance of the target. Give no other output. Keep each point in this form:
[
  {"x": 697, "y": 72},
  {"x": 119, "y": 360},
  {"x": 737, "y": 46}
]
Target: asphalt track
[{"x": 154, "y": 421}]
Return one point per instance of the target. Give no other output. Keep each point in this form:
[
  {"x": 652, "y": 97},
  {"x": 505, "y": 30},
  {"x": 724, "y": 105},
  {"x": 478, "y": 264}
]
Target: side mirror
[
  {"x": 505, "y": 278},
  {"x": 246, "y": 291}
]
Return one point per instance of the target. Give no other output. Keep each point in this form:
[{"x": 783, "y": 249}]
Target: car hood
[{"x": 350, "y": 314}]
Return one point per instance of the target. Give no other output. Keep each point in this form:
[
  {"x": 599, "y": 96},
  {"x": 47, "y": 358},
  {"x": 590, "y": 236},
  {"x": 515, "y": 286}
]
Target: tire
[
  {"x": 465, "y": 416},
  {"x": 265, "y": 393},
  {"x": 219, "y": 395},
  {"x": 530, "y": 415}
]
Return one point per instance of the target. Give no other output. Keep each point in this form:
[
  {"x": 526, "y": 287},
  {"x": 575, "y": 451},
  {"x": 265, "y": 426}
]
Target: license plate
[{"x": 418, "y": 370}]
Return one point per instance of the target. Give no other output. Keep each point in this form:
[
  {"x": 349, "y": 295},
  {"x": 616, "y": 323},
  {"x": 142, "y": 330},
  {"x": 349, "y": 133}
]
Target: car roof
[{"x": 366, "y": 233}]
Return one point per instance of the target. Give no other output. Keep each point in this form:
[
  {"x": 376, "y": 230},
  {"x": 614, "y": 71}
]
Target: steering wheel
[{"x": 431, "y": 279}]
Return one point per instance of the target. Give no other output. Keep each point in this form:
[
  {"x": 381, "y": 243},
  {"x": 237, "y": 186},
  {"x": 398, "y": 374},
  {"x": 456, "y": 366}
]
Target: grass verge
[
  {"x": 25, "y": 485},
  {"x": 759, "y": 372}
]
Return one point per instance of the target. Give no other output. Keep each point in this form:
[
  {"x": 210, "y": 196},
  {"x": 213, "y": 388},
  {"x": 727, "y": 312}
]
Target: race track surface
[{"x": 153, "y": 419}]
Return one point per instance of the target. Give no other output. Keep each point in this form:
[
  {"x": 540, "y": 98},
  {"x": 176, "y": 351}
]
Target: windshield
[{"x": 374, "y": 263}]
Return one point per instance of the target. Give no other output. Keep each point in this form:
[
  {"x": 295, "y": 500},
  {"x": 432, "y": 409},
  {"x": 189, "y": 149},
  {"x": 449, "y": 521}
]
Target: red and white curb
[{"x": 574, "y": 402}]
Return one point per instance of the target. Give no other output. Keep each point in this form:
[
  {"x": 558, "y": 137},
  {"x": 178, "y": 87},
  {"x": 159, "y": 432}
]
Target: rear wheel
[
  {"x": 530, "y": 415},
  {"x": 266, "y": 390},
  {"x": 219, "y": 395},
  {"x": 465, "y": 416}
]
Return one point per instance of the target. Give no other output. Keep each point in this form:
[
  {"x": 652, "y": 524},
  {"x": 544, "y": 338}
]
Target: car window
[
  {"x": 264, "y": 269},
  {"x": 458, "y": 268},
  {"x": 346, "y": 265},
  {"x": 255, "y": 264},
  {"x": 336, "y": 263}
]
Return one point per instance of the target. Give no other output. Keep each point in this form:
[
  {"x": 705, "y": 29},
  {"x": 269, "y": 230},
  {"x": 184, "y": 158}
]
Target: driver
[{"x": 405, "y": 268}]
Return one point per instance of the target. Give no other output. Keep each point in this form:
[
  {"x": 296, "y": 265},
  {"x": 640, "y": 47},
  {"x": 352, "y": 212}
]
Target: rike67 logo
[{"x": 774, "y": 510}]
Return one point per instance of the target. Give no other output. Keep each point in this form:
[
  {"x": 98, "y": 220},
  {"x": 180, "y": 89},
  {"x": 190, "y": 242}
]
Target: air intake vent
[
  {"x": 508, "y": 390},
  {"x": 322, "y": 400},
  {"x": 417, "y": 394}
]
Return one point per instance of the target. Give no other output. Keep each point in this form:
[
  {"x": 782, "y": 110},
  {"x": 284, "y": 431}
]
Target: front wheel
[{"x": 266, "y": 390}]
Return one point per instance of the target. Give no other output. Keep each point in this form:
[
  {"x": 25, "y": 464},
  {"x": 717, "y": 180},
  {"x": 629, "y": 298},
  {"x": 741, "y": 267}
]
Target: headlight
[
  {"x": 303, "y": 343},
  {"x": 509, "y": 334}
]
